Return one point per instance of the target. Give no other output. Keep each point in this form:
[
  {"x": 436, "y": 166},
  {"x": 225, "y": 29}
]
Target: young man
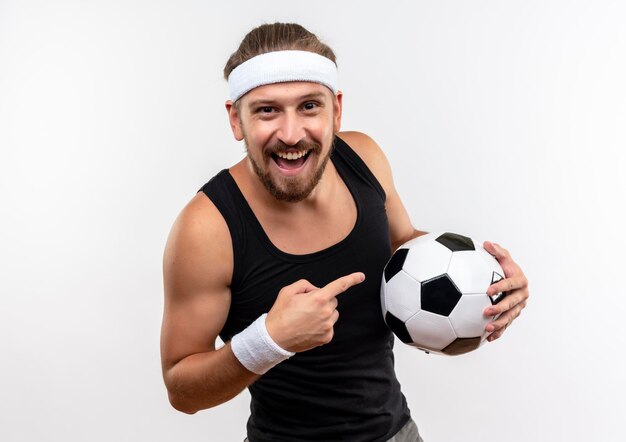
[{"x": 281, "y": 255}]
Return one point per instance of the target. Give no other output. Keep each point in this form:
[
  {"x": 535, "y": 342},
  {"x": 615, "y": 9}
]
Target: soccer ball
[{"x": 434, "y": 291}]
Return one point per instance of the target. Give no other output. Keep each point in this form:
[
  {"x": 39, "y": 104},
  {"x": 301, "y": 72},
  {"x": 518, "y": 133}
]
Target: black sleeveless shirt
[{"x": 343, "y": 391}]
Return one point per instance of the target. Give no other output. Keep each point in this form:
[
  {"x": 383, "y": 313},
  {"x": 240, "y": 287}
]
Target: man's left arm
[{"x": 401, "y": 230}]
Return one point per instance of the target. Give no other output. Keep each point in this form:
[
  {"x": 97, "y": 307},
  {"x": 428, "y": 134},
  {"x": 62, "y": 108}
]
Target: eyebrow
[{"x": 267, "y": 101}]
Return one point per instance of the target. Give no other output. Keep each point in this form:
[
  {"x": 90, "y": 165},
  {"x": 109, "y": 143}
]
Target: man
[{"x": 281, "y": 256}]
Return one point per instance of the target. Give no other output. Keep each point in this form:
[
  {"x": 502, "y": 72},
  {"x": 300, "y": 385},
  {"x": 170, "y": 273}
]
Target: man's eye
[
  {"x": 266, "y": 109},
  {"x": 309, "y": 106}
]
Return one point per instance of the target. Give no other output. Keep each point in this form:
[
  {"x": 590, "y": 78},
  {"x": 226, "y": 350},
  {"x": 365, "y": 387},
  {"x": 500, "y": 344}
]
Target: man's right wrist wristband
[{"x": 255, "y": 348}]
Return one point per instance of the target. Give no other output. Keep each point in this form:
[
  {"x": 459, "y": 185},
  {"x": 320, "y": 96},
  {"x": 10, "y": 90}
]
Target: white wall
[{"x": 502, "y": 120}]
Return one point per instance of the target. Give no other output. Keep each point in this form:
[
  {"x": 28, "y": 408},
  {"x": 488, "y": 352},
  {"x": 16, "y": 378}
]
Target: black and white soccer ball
[{"x": 434, "y": 292}]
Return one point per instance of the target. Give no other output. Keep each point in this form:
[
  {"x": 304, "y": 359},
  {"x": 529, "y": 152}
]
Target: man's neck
[{"x": 319, "y": 221}]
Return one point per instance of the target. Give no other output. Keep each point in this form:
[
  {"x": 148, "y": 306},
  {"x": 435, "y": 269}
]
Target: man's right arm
[{"x": 197, "y": 269}]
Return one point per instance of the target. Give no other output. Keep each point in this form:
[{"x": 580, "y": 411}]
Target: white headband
[{"x": 280, "y": 67}]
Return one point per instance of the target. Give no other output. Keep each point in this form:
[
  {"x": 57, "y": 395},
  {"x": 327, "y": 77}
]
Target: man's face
[{"x": 288, "y": 129}]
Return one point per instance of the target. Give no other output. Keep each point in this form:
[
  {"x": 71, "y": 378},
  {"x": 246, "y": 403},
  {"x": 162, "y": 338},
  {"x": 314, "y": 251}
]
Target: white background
[{"x": 503, "y": 120}]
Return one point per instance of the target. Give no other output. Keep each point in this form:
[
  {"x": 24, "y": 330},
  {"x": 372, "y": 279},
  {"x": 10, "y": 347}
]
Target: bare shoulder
[
  {"x": 199, "y": 234},
  {"x": 371, "y": 154},
  {"x": 362, "y": 144}
]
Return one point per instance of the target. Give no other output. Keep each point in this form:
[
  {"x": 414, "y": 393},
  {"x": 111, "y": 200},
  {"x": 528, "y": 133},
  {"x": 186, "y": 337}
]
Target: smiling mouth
[{"x": 291, "y": 160}]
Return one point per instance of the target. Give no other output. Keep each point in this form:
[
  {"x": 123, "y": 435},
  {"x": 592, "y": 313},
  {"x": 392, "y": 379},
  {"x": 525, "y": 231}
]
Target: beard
[{"x": 293, "y": 188}]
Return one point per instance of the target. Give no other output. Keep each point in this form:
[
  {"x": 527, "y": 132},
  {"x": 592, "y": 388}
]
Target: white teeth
[{"x": 292, "y": 155}]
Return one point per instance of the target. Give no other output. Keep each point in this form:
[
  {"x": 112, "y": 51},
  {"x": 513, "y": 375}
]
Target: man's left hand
[{"x": 515, "y": 285}]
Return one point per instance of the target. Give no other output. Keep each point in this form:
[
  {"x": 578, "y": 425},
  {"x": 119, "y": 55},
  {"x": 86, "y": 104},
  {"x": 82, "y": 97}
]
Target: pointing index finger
[{"x": 342, "y": 284}]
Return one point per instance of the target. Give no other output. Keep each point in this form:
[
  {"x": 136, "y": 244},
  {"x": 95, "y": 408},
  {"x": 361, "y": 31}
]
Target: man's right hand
[{"x": 303, "y": 316}]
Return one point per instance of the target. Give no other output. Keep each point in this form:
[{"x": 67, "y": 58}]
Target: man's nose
[{"x": 291, "y": 129}]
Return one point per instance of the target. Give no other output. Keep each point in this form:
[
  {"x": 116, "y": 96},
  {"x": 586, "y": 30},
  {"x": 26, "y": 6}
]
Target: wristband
[{"x": 255, "y": 348}]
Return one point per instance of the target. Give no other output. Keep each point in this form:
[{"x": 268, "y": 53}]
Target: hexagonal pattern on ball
[
  {"x": 395, "y": 264},
  {"x": 398, "y": 328},
  {"x": 461, "y": 346},
  {"x": 439, "y": 295},
  {"x": 472, "y": 271},
  {"x": 430, "y": 330},
  {"x": 406, "y": 299},
  {"x": 464, "y": 320},
  {"x": 426, "y": 260},
  {"x": 456, "y": 242}
]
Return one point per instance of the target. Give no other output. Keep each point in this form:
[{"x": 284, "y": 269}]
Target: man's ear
[
  {"x": 235, "y": 120},
  {"x": 337, "y": 107}
]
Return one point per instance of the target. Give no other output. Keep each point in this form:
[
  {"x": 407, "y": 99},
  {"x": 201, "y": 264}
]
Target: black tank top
[{"x": 343, "y": 391}]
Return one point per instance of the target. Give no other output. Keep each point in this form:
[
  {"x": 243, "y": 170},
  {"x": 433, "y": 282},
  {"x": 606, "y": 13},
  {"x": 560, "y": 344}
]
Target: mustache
[{"x": 279, "y": 146}]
